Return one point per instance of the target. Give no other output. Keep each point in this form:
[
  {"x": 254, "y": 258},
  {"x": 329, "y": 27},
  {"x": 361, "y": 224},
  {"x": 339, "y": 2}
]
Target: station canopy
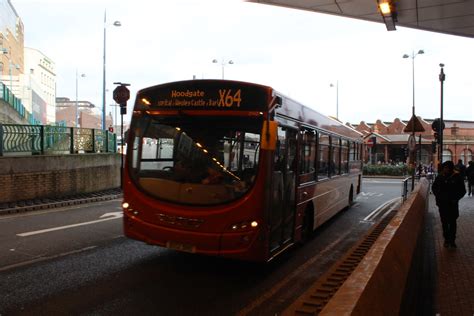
[{"x": 455, "y": 17}]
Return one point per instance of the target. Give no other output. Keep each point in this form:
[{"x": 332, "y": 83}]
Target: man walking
[
  {"x": 448, "y": 189},
  {"x": 470, "y": 178}
]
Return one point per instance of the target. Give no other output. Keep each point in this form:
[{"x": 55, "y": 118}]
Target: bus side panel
[{"x": 328, "y": 197}]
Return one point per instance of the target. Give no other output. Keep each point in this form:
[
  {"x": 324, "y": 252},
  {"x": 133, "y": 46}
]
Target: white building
[{"x": 39, "y": 85}]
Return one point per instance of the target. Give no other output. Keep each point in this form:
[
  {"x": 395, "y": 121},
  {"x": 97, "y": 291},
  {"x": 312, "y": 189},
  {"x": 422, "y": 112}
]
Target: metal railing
[
  {"x": 405, "y": 188},
  {"x": 45, "y": 139}
]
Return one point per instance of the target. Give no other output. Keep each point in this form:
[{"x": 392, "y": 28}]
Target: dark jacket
[
  {"x": 448, "y": 190},
  {"x": 470, "y": 173}
]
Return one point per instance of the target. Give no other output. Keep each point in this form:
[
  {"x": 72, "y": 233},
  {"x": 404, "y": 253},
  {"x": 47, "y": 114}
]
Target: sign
[
  {"x": 414, "y": 125},
  {"x": 206, "y": 95},
  {"x": 121, "y": 94},
  {"x": 411, "y": 143},
  {"x": 371, "y": 142}
]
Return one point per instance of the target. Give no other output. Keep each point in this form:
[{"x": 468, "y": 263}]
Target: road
[{"x": 75, "y": 260}]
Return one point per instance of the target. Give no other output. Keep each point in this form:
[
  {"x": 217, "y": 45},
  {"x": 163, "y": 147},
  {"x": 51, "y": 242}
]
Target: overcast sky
[{"x": 296, "y": 52}]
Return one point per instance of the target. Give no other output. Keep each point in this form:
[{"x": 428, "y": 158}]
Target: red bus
[{"x": 233, "y": 169}]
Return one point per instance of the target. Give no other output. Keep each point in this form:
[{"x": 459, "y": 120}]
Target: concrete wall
[
  {"x": 377, "y": 284},
  {"x": 35, "y": 177},
  {"x": 8, "y": 115}
]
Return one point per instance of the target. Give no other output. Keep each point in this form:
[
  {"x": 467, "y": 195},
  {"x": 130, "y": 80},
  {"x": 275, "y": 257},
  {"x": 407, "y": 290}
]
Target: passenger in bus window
[{"x": 213, "y": 177}]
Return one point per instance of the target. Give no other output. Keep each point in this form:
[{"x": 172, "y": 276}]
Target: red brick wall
[{"x": 34, "y": 177}]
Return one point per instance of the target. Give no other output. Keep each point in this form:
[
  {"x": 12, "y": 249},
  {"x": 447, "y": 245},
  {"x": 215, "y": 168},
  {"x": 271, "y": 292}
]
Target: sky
[{"x": 298, "y": 53}]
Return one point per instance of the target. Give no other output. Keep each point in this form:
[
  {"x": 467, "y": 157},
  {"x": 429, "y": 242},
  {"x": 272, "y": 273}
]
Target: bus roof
[{"x": 297, "y": 112}]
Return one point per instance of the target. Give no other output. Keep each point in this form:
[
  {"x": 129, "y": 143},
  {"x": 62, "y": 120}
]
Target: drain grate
[{"x": 319, "y": 295}]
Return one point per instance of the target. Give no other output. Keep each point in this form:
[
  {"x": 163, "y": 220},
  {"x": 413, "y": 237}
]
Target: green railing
[
  {"x": 15, "y": 103},
  {"x": 45, "y": 139}
]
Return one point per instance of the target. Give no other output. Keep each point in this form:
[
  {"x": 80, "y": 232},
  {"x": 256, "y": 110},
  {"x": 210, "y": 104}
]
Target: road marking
[
  {"x": 58, "y": 209},
  {"x": 38, "y": 259},
  {"x": 266, "y": 296},
  {"x": 103, "y": 218},
  {"x": 379, "y": 209}
]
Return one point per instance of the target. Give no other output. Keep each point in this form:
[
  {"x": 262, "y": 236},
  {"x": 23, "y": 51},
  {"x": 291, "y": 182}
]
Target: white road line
[
  {"x": 379, "y": 209},
  {"x": 38, "y": 259},
  {"x": 114, "y": 215}
]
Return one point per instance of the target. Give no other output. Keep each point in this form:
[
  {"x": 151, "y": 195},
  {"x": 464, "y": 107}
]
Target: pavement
[{"x": 454, "y": 294}]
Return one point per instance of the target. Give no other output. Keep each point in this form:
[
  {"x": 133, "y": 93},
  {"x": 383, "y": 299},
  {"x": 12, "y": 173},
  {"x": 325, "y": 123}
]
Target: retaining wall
[
  {"x": 51, "y": 176},
  {"x": 377, "y": 284}
]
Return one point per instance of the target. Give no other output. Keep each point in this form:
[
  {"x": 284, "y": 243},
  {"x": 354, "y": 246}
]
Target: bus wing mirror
[{"x": 269, "y": 135}]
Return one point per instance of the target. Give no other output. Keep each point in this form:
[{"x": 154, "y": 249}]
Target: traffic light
[
  {"x": 405, "y": 151},
  {"x": 433, "y": 147},
  {"x": 123, "y": 109},
  {"x": 437, "y": 138}
]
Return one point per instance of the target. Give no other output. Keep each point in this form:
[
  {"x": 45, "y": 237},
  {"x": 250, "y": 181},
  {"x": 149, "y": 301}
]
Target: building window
[
  {"x": 467, "y": 156},
  {"x": 447, "y": 155}
]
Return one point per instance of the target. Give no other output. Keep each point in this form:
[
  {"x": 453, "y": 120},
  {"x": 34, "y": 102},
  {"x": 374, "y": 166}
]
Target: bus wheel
[
  {"x": 307, "y": 227},
  {"x": 351, "y": 196}
]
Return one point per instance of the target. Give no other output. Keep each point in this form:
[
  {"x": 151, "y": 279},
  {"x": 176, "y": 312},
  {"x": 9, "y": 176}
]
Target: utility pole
[{"x": 442, "y": 77}]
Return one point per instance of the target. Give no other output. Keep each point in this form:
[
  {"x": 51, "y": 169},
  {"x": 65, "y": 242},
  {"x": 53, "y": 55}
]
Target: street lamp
[
  {"x": 116, "y": 23},
  {"x": 442, "y": 77},
  {"x": 413, "y": 55},
  {"x": 223, "y": 63},
  {"x": 337, "y": 97},
  {"x": 76, "y": 121}
]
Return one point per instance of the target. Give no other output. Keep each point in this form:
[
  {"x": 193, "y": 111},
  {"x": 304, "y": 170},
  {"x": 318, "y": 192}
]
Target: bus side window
[
  {"x": 323, "y": 154},
  {"x": 308, "y": 152}
]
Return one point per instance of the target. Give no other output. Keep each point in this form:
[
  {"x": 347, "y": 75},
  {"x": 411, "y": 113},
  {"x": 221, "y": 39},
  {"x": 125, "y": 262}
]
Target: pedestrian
[
  {"x": 470, "y": 178},
  {"x": 461, "y": 168},
  {"x": 448, "y": 189}
]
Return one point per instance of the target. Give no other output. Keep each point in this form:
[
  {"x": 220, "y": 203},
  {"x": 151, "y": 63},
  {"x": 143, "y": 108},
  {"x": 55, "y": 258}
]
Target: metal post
[
  {"x": 1, "y": 140},
  {"x": 442, "y": 77},
  {"x": 121, "y": 147},
  {"x": 419, "y": 149},
  {"x": 42, "y": 139},
  {"x": 72, "y": 140},
  {"x": 93, "y": 140}
]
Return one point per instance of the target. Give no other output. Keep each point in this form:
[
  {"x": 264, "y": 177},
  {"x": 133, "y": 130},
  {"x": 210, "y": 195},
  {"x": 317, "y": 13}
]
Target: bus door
[{"x": 283, "y": 182}]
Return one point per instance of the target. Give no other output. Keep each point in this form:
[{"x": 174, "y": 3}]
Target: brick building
[
  {"x": 88, "y": 116},
  {"x": 392, "y": 141}
]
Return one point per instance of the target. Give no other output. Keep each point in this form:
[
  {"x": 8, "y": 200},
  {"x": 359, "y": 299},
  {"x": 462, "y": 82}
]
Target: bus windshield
[{"x": 195, "y": 160}]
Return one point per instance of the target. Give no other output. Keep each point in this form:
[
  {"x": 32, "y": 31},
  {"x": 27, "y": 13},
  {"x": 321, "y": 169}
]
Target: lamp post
[
  {"x": 223, "y": 63},
  {"x": 337, "y": 97},
  {"x": 116, "y": 23},
  {"x": 442, "y": 77},
  {"x": 413, "y": 154},
  {"x": 413, "y": 55},
  {"x": 76, "y": 121}
]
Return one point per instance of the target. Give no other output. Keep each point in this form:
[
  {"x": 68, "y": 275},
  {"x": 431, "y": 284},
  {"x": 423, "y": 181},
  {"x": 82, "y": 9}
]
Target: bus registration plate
[{"x": 180, "y": 246}]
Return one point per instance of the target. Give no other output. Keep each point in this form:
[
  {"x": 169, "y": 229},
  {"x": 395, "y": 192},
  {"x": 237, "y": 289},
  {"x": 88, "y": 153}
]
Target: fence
[
  {"x": 45, "y": 139},
  {"x": 7, "y": 95}
]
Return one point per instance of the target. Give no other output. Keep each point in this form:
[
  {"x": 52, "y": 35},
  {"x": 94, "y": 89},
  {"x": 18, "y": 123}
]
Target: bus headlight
[{"x": 125, "y": 205}]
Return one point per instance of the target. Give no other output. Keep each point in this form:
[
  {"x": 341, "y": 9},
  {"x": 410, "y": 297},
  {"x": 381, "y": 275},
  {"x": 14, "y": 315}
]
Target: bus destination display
[{"x": 209, "y": 97}]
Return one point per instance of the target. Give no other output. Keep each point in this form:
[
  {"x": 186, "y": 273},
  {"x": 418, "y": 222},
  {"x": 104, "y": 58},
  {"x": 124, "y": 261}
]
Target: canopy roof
[{"x": 454, "y": 17}]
